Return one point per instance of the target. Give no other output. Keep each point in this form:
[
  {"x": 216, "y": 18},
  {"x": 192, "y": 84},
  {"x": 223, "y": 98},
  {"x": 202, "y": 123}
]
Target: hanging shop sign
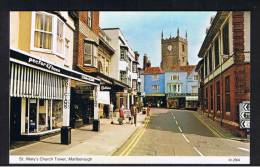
[
  {"x": 176, "y": 95},
  {"x": 105, "y": 88},
  {"x": 48, "y": 66}
]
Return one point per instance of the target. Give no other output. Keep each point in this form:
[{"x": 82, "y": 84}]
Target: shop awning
[{"x": 26, "y": 59}]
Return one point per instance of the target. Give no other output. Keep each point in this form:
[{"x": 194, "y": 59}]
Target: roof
[
  {"x": 177, "y": 68},
  {"x": 153, "y": 70},
  {"x": 214, "y": 28}
]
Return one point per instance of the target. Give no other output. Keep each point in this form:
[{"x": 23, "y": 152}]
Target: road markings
[
  {"x": 213, "y": 131},
  {"x": 180, "y": 129},
  {"x": 244, "y": 149},
  {"x": 198, "y": 151},
  {"x": 135, "y": 140},
  {"x": 177, "y": 122},
  {"x": 185, "y": 138}
]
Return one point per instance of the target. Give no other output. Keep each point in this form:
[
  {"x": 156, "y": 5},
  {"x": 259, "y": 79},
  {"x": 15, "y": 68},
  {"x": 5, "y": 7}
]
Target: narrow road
[{"x": 180, "y": 133}]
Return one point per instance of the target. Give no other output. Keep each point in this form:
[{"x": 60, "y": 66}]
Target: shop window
[
  {"x": 227, "y": 93},
  {"x": 218, "y": 95},
  {"x": 90, "y": 15},
  {"x": 57, "y": 114},
  {"x": 43, "y": 31},
  {"x": 43, "y": 117},
  {"x": 216, "y": 48},
  {"x": 225, "y": 39}
]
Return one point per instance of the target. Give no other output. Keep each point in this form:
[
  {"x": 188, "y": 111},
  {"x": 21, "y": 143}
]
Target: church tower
[{"x": 174, "y": 51}]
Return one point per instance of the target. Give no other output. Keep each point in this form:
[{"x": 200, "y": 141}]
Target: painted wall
[
  {"x": 182, "y": 80},
  {"x": 191, "y": 81},
  {"x": 148, "y": 82}
]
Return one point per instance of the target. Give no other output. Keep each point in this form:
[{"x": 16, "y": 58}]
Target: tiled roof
[
  {"x": 188, "y": 68},
  {"x": 153, "y": 70}
]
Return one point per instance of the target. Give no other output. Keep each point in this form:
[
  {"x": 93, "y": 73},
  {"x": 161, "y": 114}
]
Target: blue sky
[{"x": 143, "y": 30}]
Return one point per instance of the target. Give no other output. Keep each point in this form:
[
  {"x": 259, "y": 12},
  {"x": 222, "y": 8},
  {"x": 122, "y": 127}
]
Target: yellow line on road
[
  {"x": 213, "y": 131},
  {"x": 134, "y": 141}
]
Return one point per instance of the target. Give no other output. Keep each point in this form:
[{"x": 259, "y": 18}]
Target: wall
[
  {"x": 14, "y": 29},
  {"x": 182, "y": 80},
  {"x": 148, "y": 82}
]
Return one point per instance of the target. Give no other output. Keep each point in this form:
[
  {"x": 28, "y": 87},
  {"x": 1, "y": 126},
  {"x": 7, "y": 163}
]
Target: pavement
[
  {"x": 180, "y": 133},
  {"x": 220, "y": 131},
  {"x": 85, "y": 141}
]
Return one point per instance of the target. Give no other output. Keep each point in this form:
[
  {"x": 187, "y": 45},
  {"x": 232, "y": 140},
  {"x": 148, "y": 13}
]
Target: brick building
[{"x": 225, "y": 68}]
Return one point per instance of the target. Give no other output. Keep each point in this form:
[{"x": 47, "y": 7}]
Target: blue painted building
[
  {"x": 154, "y": 87},
  {"x": 181, "y": 87}
]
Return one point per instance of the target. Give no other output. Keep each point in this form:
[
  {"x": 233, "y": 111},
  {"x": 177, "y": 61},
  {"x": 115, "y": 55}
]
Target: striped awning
[{"x": 33, "y": 83}]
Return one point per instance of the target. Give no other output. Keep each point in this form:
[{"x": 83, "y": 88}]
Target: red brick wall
[
  {"x": 95, "y": 20},
  {"x": 238, "y": 35}
]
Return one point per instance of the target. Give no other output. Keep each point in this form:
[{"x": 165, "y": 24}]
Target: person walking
[
  {"x": 148, "y": 110},
  {"x": 121, "y": 115},
  {"x": 135, "y": 114}
]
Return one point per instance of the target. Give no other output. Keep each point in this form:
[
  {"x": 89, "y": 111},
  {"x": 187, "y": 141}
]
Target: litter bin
[
  {"x": 96, "y": 125},
  {"x": 65, "y": 135}
]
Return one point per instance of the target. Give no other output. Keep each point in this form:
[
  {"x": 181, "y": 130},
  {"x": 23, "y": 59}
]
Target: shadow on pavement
[{"x": 189, "y": 124}]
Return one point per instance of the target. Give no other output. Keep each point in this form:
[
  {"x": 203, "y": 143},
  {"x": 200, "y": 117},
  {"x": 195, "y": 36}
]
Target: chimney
[{"x": 145, "y": 61}]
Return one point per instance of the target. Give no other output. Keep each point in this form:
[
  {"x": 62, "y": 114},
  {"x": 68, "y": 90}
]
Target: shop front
[
  {"x": 176, "y": 100},
  {"x": 39, "y": 96},
  {"x": 156, "y": 100},
  {"x": 192, "y": 101}
]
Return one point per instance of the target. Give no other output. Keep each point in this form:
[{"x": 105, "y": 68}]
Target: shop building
[
  {"x": 225, "y": 68},
  {"x": 123, "y": 67},
  {"x": 181, "y": 85},
  {"x": 41, "y": 53},
  {"x": 154, "y": 87}
]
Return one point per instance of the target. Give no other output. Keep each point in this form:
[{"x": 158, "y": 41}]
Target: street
[{"x": 179, "y": 133}]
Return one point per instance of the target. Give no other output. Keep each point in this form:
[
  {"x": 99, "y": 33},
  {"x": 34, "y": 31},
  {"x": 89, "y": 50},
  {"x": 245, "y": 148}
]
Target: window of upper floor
[
  {"x": 175, "y": 77},
  {"x": 194, "y": 89},
  {"x": 174, "y": 88},
  {"x": 48, "y": 33},
  {"x": 123, "y": 54},
  {"x": 156, "y": 88},
  {"x": 225, "y": 38},
  {"x": 90, "y": 54},
  {"x": 90, "y": 17},
  {"x": 134, "y": 67},
  {"x": 196, "y": 77},
  {"x": 155, "y": 77}
]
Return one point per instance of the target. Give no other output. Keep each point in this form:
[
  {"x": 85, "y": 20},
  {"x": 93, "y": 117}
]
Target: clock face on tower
[{"x": 169, "y": 47}]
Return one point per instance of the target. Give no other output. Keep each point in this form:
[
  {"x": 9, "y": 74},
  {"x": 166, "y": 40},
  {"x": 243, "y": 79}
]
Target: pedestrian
[
  {"x": 148, "y": 110},
  {"x": 135, "y": 114},
  {"x": 121, "y": 115}
]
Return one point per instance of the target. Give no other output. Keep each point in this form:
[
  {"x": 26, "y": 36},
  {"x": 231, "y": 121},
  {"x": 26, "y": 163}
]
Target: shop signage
[
  {"x": 43, "y": 64},
  {"x": 244, "y": 114},
  {"x": 105, "y": 88},
  {"x": 176, "y": 94},
  {"x": 39, "y": 63}
]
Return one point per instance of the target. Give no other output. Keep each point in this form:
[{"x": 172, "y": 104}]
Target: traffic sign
[
  {"x": 245, "y": 124},
  {"x": 244, "y": 115}
]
